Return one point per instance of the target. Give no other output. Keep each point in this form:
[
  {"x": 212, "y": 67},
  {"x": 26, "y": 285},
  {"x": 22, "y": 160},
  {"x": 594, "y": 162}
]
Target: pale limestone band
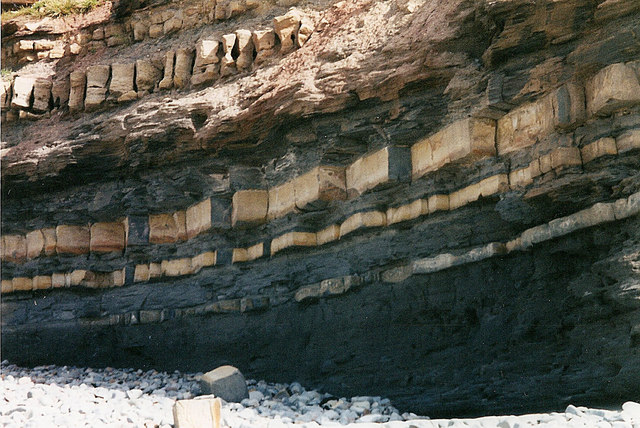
[
  {"x": 561, "y": 109},
  {"x": 597, "y": 214}
]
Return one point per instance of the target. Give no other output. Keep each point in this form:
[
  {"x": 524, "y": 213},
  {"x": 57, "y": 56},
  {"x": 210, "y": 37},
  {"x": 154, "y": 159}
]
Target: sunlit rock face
[{"x": 435, "y": 202}]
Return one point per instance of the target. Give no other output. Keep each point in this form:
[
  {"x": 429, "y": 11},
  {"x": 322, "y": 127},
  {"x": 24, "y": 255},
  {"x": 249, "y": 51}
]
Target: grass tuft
[{"x": 54, "y": 8}]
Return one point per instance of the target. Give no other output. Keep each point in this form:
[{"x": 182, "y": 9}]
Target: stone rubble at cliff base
[{"x": 70, "y": 396}]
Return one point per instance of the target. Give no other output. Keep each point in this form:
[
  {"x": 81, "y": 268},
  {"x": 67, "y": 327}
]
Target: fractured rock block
[
  {"x": 140, "y": 31},
  {"x": 382, "y": 166},
  {"x": 601, "y": 147},
  {"x": 136, "y": 230},
  {"x": 565, "y": 157},
  {"x": 207, "y": 52},
  {"x": 568, "y": 106},
  {"x": 35, "y": 243},
  {"x": 176, "y": 267},
  {"x": 49, "y": 235},
  {"x": 122, "y": 81},
  {"x": 58, "y": 280},
  {"x": 22, "y": 284},
  {"x": 141, "y": 273},
  {"x": 323, "y": 183},
  {"x": 97, "y": 78},
  {"x": 328, "y": 234},
  {"x": 198, "y": 218},
  {"x": 245, "y": 49},
  {"x": 228, "y": 63},
  {"x": 200, "y": 412},
  {"x": 182, "y": 70},
  {"x": 163, "y": 228},
  {"x": 286, "y": 28},
  {"x": 226, "y": 382},
  {"x": 523, "y": 126},
  {"x": 42, "y": 95},
  {"x": 14, "y": 248},
  {"x": 407, "y": 212},
  {"x": 167, "y": 80},
  {"x": 106, "y": 237},
  {"x": 78, "y": 82},
  {"x": 203, "y": 260},
  {"x": 613, "y": 88},
  {"x": 22, "y": 90},
  {"x": 363, "y": 220},
  {"x": 42, "y": 282},
  {"x": 156, "y": 30},
  {"x": 249, "y": 206},
  {"x": 304, "y": 31},
  {"x": 147, "y": 75},
  {"x": 264, "y": 42},
  {"x": 155, "y": 270},
  {"x": 438, "y": 203},
  {"x": 7, "y": 286},
  {"x": 72, "y": 239},
  {"x": 629, "y": 140},
  {"x": 248, "y": 254},
  {"x": 173, "y": 24},
  {"x": 524, "y": 176},
  {"x": 60, "y": 93},
  {"x": 468, "y": 138},
  {"x": 293, "y": 239},
  {"x": 487, "y": 187},
  {"x": 281, "y": 200},
  {"x": 205, "y": 75}
]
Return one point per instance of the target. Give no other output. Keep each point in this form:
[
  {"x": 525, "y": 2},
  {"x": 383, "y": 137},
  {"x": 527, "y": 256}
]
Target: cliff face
[{"x": 435, "y": 201}]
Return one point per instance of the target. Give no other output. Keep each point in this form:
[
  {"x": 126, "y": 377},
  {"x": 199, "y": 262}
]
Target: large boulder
[{"x": 225, "y": 382}]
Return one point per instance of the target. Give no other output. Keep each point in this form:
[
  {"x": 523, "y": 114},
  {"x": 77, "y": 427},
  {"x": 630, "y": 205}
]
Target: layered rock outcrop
[{"x": 449, "y": 191}]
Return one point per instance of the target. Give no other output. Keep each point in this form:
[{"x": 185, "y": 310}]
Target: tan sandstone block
[
  {"x": 7, "y": 286},
  {"x": 545, "y": 163},
  {"x": 247, "y": 254},
  {"x": 35, "y": 243},
  {"x": 77, "y": 83},
  {"x": 304, "y": 31},
  {"x": 77, "y": 277},
  {"x": 49, "y": 235},
  {"x": 106, "y": 237},
  {"x": 177, "y": 267},
  {"x": 407, "y": 212},
  {"x": 264, "y": 39},
  {"x": 281, "y": 200},
  {"x": 141, "y": 273},
  {"x": 438, "y": 203},
  {"x": 249, "y": 206},
  {"x": 286, "y": 27},
  {"x": 14, "y": 248},
  {"x": 293, "y": 239},
  {"x": 328, "y": 234},
  {"x": 155, "y": 270},
  {"x": 629, "y": 140},
  {"x": 228, "y": 65},
  {"x": 147, "y": 75},
  {"x": 368, "y": 171},
  {"x": 462, "y": 139},
  {"x": 464, "y": 196},
  {"x": 180, "y": 217},
  {"x": 117, "y": 278},
  {"x": 198, "y": 218},
  {"x": 362, "y": 220},
  {"x": 207, "y": 52},
  {"x": 72, "y": 239},
  {"x": 22, "y": 90},
  {"x": 323, "y": 183},
  {"x": 163, "y": 228},
  {"x": 169, "y": 61},
  {"x": 182, "y": 69},
  {"x": 197, "y": 413},
  {"x": 493, "y": 185},
  {"x": 22, "y": 284},
  {"x": 613, "y": 88},
  {"x": 42, "y": 282},
  {"x": 122, "y": 80},
  {"x": 565, "y": 157},
  {"x": 601, "y": 147},
  {"x": 41, "y": 94},
  {"x": 523, "y": 126},
  {"x": 245, "y": 49},
  {"x": 203, "y": 260},
  {"x": 58, "y": 280}
]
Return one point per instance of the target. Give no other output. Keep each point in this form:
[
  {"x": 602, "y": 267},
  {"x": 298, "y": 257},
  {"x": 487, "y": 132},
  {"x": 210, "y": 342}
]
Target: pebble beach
[{"x": 54, "y": 396}]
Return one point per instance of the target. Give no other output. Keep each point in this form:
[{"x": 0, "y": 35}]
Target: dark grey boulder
[{"x": 226, "y": 382}]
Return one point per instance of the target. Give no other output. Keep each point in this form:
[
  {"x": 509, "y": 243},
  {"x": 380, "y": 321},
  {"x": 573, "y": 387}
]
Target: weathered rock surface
[
  {"x": 289, "y": 194},
  {"x": 225, "y": 382}
]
